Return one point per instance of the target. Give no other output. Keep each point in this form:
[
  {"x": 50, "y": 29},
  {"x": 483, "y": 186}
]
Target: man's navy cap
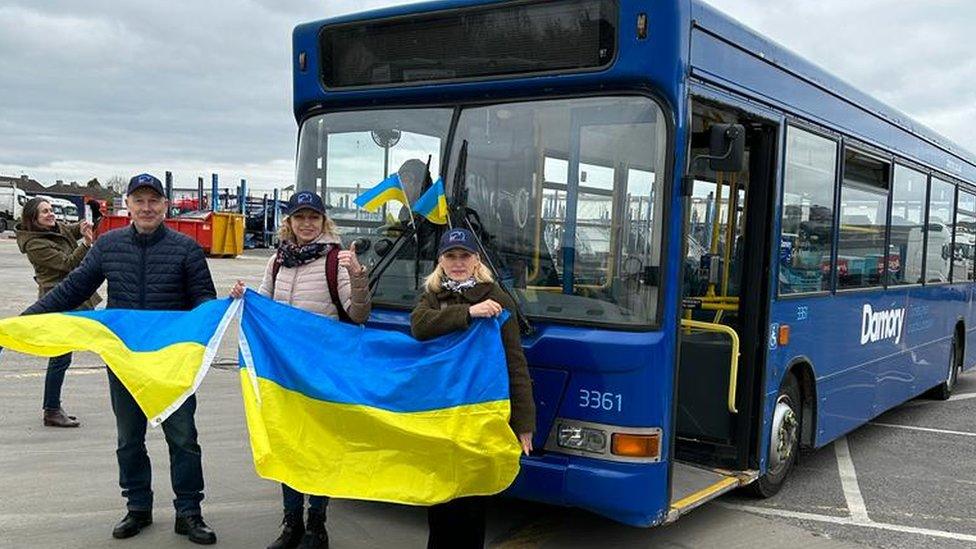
[
  {"x": 145, "y": 180},
  {"x": 305, "y": 200},
  {"x": 457, "y": 238}
]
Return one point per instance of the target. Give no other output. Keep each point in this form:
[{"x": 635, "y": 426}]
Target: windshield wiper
[
  {"x": 464, "y": 214},
  {"x": 386, "y": 260}
]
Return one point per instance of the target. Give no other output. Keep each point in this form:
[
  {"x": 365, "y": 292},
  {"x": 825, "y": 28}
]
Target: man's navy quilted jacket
[{"x": 163, "y": 270}]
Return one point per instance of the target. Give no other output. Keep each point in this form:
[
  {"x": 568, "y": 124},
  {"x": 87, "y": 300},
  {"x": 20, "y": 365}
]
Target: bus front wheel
[
  {"x": 944, "y": 390},
  {"x": 784, "y": 440}
]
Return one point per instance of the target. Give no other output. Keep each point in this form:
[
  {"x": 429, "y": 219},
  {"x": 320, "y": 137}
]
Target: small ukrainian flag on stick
[
  {"x": 388, "y": 189},
  {"x": 433, "y": 203}
]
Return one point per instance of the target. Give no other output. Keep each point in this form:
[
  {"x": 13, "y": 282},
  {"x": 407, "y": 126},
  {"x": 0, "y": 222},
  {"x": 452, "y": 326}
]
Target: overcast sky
[{"x": 103, "y": 88}]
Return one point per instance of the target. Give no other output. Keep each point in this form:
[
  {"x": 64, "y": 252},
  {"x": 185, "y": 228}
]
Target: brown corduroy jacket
[
  {"x": 54, "y": 254},
  {"x": 446, "y": 311}
]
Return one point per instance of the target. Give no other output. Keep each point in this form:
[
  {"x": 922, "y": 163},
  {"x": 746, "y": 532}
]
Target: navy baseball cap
[
  {"x": 145, "y": 180},
  {"x": 305, "y": 200},
  {"x": 457, "y": 238}
]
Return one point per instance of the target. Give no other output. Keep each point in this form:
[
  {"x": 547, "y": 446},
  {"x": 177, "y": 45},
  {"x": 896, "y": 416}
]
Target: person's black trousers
[
  {"x": 135, "y": 473},
  {"x": 457, "y": 524}
]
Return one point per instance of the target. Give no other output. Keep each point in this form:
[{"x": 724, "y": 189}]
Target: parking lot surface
[{"x": 906, "y": 480}]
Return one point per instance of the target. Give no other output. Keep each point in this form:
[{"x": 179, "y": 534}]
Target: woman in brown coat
[
  {"x": 460, "y": 289},
  {"x": 53, "y": 250}
]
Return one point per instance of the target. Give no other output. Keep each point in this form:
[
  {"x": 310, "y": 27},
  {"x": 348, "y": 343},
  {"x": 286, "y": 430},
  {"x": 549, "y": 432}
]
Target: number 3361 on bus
[{"x": 599, "y": 400}]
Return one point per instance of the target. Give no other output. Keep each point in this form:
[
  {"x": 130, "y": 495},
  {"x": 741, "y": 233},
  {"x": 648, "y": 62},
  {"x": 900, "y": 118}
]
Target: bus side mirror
[{"x": 727, "y": 147}]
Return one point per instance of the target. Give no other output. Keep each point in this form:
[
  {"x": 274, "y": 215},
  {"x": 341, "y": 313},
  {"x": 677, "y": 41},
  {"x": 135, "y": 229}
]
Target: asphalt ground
[
  {"x": 901, "y": 487},
  {"x": 905, "y": 480}
]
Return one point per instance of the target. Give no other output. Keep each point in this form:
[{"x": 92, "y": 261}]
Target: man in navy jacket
[{"x": 147, "y": 266}]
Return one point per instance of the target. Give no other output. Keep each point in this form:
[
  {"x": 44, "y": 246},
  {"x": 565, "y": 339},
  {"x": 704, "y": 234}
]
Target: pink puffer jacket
[{"x": 306, "y": 287}]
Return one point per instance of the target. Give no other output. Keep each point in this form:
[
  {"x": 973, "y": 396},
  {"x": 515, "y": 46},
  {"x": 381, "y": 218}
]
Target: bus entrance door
[{"x": 724, "y": 288}]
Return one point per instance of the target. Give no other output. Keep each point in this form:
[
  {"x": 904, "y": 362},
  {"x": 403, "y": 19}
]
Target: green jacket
[
  {"x": 446, "y": 311},
  {"x": 54, "y": 254}
]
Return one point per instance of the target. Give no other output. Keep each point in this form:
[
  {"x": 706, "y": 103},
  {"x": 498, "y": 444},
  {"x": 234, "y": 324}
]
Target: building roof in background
[
  {"x": 92, "y": 188},
  {"x": 23, "y": 182}
]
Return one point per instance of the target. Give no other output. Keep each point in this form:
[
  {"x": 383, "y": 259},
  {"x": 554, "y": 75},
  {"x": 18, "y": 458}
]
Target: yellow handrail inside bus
[
  {"x": 716, "y": 298},
  {"x": 716, "y": 221},
  {"x": 734, "y": 367},
  {"x": 706, "y": 306},
  {"x": 730, "y": 233}
]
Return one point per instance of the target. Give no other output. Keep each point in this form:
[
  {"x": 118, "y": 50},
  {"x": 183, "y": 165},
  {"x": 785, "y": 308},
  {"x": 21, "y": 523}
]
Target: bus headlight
[
  {"x": 582, "y": 438},
  {"x": 610, "y": 442}
]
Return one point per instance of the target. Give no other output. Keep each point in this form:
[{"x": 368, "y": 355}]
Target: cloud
[
  {"x": 107, "y": 87},
  {"x": 915, "y": 55}
]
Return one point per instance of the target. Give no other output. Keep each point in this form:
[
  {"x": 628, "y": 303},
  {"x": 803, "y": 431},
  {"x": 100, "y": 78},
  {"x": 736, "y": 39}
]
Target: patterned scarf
[
  {"x": 458, "y": 287},
  {"x": 292, "y": 255}
]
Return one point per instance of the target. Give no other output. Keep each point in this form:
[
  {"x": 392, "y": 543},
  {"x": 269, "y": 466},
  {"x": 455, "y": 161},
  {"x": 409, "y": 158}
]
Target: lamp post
[{"x": 386, "y": 139}]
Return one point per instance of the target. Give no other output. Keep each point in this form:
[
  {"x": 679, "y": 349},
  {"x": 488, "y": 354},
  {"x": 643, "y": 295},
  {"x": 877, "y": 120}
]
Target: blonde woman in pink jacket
[{"x": 311, "y": 272}]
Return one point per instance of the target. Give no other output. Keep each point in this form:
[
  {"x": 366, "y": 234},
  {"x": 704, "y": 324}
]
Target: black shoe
[
  {"x": 193, "y": 526},
  {"x": 315, "y": 535},
  {"x": 131, "y": 524},
  {"x": 292, "y": 530}
]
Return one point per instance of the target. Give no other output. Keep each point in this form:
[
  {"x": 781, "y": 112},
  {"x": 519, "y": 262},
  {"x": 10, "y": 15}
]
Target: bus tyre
[
  {"x": 944, "y": 390},
  {"x": 3, "y": 224},
  {"x": 784, "y": 440}
]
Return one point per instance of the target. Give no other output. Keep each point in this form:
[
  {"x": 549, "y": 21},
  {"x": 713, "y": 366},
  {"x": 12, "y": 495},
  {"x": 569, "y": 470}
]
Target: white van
[
  {"x": 68, "y": 209},
  {"x": 11, "y": 205}
]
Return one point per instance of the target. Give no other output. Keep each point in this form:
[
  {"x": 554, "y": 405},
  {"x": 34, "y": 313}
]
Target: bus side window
[
  {"x": 965, "y": 236},
  {"x": 942, "y": 206},
  {"x": 907, "y": 221},
  {"x": 807, "y": 225},
  {"x": 861, "y": 257}
]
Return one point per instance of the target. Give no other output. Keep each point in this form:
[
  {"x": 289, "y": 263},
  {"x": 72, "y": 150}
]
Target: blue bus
[{"x": 722, "y": 254}]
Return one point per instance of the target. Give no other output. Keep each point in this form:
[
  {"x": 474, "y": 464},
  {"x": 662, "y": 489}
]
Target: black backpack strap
[{"x": 332, "y": 279}]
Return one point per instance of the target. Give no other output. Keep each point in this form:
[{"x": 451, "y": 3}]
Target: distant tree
[{"x": 117, "y": 183}]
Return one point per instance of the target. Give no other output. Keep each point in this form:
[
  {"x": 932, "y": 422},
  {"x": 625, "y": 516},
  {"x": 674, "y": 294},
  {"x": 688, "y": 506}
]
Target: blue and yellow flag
[
  {"x": 386, "y": 190},
  {"x": 160, "y": 356},
  {"x": 433, "y": 203},
  {"x": 346, "y": 411}
]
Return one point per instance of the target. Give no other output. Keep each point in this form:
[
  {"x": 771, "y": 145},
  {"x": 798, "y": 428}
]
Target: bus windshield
[{"x": 566, "y": 194}]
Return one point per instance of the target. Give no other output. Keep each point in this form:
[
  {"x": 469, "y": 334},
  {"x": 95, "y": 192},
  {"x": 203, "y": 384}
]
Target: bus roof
[
  {"x": 725, "y": 27},
  {"x": 734, "y": 34},
  {"x": 393, "y": 11}
]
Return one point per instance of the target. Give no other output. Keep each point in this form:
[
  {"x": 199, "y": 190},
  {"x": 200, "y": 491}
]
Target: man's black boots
[
  {"x": 292, "y": 530},
  {"x": 315, "y": 535},
  {"x": 194, "y": 527},
  {"x": 131, "y": 524}
]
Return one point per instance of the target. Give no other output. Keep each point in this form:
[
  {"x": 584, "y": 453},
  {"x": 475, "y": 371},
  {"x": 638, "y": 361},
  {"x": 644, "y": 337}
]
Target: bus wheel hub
[{"x": 785, "y": 429}]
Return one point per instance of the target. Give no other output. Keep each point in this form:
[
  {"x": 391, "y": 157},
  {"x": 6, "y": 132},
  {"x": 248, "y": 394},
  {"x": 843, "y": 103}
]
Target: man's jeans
[
  {"x": 56, "y": 368},
  {"x": 135, "y": 474}
]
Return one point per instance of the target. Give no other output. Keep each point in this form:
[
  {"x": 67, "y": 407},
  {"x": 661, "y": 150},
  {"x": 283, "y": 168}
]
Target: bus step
[{"x": 692, "y": 486}]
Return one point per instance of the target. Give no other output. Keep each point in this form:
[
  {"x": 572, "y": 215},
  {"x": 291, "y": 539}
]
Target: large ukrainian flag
[
  {"x": 346, "y": 411},
  {"x": 160, "y": 356}
]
